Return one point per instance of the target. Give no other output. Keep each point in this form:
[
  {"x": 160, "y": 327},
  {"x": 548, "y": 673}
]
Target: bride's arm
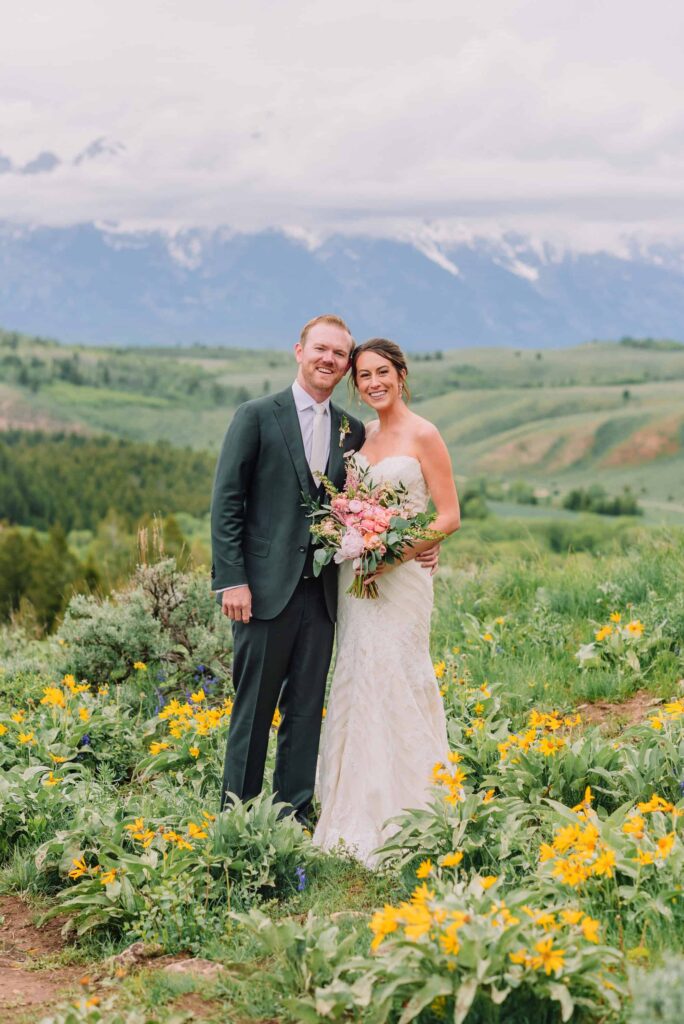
[
  {"x": 435, "y": 463},
  {"x": 436, "y": 466}
]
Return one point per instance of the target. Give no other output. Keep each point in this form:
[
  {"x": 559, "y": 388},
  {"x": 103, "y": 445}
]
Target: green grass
[
  {"x": 552, "y": 582},
  {"x": 556, "y": 420}
]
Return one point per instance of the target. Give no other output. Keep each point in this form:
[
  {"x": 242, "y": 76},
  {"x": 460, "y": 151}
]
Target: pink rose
[{"x": 355, "y": 505}]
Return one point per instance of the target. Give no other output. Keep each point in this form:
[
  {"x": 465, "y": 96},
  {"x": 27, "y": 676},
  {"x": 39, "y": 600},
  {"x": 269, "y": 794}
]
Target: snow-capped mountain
[{"x": 97, "y": 284}]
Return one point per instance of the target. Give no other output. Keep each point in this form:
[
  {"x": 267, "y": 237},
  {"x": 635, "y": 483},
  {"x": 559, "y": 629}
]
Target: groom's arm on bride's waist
[{"x": 234, "y": 471}]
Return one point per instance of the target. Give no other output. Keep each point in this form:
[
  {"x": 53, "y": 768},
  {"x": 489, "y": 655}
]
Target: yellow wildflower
[
  {"x": 587, "y": 800},
  {"x": 136, "y": 826},
  {"x": 107, "y": 877},
  {"x": 590, "y": 929},
  {"x": 546, "y": 852},
  {"x": 277, "y": 718},
  {"x": 449, "y": 940},
  {"x": 665, "y": 845},
  {"x": 572, "y": 916},
  {"x": 26, "y": 737},
  {"x": 644, "y": 857},
  {"x": 488, "y": 637},
  {"x": 487, "y": 881},
  {"x": 566, "y": 837},
  {"x": 519, "y": 957},
  {"x": 139, "y": 666},
  {"x": 83, "y": 714},
  {"x": 424, "y": 869},
  {"x": 54, "y": 696},
  {"x": 156, "y": 747},
  {"x": 551, "y": 959},
  {"x": 18, "y": 717},
  {"x": 656, "y": 803},
  {"x": 196, "y": 831},
  {"x": 422, "y": 895},
  {"x": 615, "y": 617},
  {"x": 439, "y": 669},
  {"x": 634, "y": 826},
  {"x": 194, "y": 751},
  {"x": 601, "y": 634},
  {"x": 604, "y": 863},
  {"x": 198, "y": 697},
  {"x": 3, "y": 729},
  {"x": 634, "y": 628},
  {"x": 383, "y": 923},
  {"x": 80, "y": 868},
  {"x": 451, "y": 860},
  {"x": 209, "y": 816},
  {"x": 51, "y": 780},
  {"x": 57, "y": 759},
  {"x": 656, "y": 722},
  {"x": 570, "y": 872},
  {"x": 417, "y": 921}
]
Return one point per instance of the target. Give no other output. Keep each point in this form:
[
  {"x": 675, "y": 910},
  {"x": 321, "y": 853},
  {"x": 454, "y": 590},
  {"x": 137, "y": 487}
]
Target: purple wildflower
[{"x": 301, "y": 879}]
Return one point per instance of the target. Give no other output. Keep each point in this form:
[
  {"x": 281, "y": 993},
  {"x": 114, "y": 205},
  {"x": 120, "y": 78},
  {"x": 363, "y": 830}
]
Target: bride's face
[{"x": 378, "y": 381}]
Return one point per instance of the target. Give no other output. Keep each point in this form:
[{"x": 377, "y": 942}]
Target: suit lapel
[{"x": 286, "y": 414}]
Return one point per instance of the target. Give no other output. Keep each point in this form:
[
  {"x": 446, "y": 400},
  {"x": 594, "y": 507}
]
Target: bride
[{"x": 385, "y": 727}]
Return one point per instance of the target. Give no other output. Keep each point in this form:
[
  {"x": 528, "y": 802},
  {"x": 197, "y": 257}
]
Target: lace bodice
[{"x": 398, "y": 469}]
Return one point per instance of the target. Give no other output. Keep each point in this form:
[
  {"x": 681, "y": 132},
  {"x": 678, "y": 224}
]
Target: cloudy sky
[{"x": 556, "y": 114}]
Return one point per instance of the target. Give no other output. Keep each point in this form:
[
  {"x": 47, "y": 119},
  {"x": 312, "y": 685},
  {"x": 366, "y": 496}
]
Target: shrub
[
  {"x": 659, "y": 994},
  {"x": 166, "y": 617}
]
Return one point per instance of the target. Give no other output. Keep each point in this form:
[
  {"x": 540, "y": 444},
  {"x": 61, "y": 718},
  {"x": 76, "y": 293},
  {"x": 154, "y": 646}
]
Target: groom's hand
[
  {"x": 237, "y": 604},
  {"x": 429, "y": 559}
]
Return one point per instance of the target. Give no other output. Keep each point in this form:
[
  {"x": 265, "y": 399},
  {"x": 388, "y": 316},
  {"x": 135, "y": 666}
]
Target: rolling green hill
[{"x": 603, "y": 412}]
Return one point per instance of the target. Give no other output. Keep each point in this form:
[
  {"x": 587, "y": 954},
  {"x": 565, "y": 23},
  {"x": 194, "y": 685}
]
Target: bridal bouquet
[{"x": 367, "y": 524}]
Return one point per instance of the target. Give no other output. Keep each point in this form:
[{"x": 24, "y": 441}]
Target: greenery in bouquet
[{"x": 368, "y": 524}]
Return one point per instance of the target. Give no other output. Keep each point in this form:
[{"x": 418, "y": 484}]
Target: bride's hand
[
  {"x": 380, "y": 571},
  {"x": 429, "y": 559}
]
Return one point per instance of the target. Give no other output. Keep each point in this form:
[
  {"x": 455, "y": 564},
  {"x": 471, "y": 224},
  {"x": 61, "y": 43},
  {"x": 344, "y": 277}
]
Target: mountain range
[{"x": 98, "y": 284}]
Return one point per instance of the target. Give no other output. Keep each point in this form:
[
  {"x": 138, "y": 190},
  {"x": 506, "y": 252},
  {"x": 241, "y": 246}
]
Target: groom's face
[{"x": 323, "y": 358}]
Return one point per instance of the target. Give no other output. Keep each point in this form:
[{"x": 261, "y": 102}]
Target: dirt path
[
  {"x": 614, "y": 715},
  {"x": 27, "y": 993}
]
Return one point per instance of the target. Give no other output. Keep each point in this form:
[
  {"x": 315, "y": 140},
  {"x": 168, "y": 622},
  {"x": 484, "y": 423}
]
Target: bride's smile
[{"x": 378, "y": 382}]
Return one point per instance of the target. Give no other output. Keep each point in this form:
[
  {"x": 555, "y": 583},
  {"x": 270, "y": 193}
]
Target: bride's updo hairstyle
[{"x": 390, "y": 351}]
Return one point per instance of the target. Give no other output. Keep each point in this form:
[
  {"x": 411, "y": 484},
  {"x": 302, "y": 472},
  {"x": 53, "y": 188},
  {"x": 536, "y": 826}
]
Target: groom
[{"x": 283, "y": 617}]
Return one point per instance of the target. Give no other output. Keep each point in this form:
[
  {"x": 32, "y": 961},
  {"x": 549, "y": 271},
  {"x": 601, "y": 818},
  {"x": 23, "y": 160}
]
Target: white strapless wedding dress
[{"x": 385, "y": 727}]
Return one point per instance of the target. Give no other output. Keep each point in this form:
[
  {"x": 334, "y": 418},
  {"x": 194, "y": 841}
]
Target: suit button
[{"x": 302, "y": 549}]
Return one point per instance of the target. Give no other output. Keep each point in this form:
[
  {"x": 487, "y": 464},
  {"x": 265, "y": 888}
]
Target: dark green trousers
[{"x": 281, "y": 662}]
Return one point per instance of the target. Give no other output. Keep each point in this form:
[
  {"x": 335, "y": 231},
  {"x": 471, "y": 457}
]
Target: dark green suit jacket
[{"x": 259, "y": 527}]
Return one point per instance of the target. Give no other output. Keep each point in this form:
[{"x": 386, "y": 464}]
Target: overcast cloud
[{"x": 560, "y": 115}]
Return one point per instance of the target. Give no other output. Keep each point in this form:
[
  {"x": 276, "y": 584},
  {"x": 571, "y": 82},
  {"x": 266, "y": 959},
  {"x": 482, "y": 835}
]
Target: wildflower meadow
[{"x": 542, "y": 883}]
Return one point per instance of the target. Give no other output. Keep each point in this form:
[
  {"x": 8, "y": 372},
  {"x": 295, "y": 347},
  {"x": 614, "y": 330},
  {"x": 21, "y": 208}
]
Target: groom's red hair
[{"x": 325, "y": 318}]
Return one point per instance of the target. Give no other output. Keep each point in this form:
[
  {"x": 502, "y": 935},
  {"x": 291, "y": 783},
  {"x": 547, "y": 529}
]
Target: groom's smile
[{"x": 323, "y": 359}]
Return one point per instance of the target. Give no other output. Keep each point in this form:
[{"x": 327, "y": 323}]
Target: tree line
[{"x": 76, "y": 481}]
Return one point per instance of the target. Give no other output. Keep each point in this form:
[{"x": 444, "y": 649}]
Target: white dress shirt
[{"x": 304, "y": 404}]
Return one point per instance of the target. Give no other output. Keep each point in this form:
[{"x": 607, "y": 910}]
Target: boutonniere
[{"x": 344, "y": 429}]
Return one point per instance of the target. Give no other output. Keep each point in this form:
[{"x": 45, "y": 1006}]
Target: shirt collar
[{"x": 303, "y": 399}]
